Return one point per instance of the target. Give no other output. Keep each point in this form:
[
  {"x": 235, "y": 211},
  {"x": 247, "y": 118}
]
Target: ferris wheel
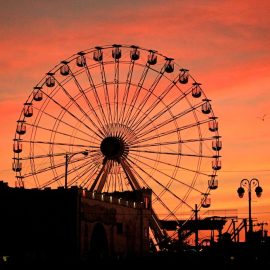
[{"x": 117, "y": 118}]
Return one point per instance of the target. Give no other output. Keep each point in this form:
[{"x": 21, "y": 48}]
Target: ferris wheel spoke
[
  {"x": 176, "y": 166},
  {"x": 120, "y": 183},
  {"x": 148, "y": 95},
  {"x": 101, "y": 176},
  {"x": 80, "y": 108},
  {"x": 126, "y": 183},
  {"x": 31, "y": 157},
  {"x": 81, "y": 171},
  {"x": 91, "y": 82},
  {"x": 120, "y": 179},
  {"x": 170, "y": 177},
  {"x": 66, "y": 110},
  {"x": 90, "y": 177},
  {"x": 113, "y": 183},
  {"x": 142, "y": 139},
  {"x": 136, "y": 95},
  {"x": 158, "y": 99},
  {"x": 159, "y": 183},
  {"x": 105, "y": 175},
  {"x": 52, "y": 181},
  {"x": 141, "y": 125},
  {"x": 62, "y": 175},
  {"x": 49, "y": 168},
  {"x": 43, "y": 156},
  {"x": 61, "y": 121},
  {"x": 55, "y": 179},
  {"x": 106, "y": 93},
  {"x": 107, "y": 184},
  {"x": 95, "y": 166},
  {"x": 110, "y": 181},
  {"x": 126, "y": 92},
  {"x": 116, "y": 90},
  {"x": 43, "y": 170},
  {"x": 172, "y": 153},
  {"x": 90, "y": 106},
  {"x": 86, "y": 175},
  {"x": 71, "y": 175},
  {"x": 160, "y": 124},
  {"x": 110, "y": 184},
  {"x": 59, "y": 143},
  {"x": 171, "y": 142},
  {"x": 167, "y": 121},
  {"x": 123, "y": 183},
  {"x": 57, "y": 132}
]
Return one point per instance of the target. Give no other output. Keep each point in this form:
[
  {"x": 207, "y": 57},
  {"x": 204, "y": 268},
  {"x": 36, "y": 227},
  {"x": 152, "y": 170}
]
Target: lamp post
[
  {"x": 249, "y": 184},
  {"x": 68, "y": 157}
]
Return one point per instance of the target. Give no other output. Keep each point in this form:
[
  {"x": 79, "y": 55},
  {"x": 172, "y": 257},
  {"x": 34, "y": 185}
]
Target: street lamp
[
  {"x": 249, "y": 184},
  {"x": 68, "y": 157}
]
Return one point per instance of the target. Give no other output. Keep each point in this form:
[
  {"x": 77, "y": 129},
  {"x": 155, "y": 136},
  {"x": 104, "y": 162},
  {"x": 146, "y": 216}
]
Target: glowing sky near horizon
[{"x": 224, "y": 44}]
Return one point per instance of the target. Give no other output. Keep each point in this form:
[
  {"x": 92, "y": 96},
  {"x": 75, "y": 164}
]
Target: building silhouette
[{"x": 69, "y": 225}]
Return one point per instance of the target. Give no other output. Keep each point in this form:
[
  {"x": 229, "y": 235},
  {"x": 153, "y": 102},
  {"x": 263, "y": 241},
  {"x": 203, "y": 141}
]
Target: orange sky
[{"x": 224, "y": 44}]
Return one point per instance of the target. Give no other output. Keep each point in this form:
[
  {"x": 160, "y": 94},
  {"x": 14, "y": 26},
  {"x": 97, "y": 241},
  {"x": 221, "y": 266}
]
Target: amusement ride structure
[{"x": 121, "y": 118}]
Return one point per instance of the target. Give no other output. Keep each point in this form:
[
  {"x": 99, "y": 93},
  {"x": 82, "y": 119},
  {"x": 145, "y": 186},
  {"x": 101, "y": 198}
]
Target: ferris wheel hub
[{"x": 113, "y": 148}]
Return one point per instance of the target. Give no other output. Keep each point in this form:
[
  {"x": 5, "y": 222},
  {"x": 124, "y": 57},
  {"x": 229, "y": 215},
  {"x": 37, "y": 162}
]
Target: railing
[{"x": 112, "y": 199}]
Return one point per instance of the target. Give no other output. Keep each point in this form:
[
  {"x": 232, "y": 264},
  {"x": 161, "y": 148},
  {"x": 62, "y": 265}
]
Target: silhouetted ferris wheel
[{"x": 141, "y": 120}]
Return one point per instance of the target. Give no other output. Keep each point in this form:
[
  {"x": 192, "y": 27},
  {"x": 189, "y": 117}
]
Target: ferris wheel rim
[{"x": 142, "y": 128}]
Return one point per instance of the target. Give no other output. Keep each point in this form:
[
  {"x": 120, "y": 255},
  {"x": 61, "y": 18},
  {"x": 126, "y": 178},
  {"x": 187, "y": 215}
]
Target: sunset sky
[{"x": 224, "y": 44}]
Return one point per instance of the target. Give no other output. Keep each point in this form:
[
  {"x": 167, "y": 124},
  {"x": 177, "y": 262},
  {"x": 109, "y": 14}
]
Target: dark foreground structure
[
  {"x": 72, "y": 225},
  {"x": 88, "y": 230}
]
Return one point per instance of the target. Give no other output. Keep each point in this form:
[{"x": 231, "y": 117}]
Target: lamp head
[
  {"x": 258, "y": 191},
  {"x": 240, "y": 192}
]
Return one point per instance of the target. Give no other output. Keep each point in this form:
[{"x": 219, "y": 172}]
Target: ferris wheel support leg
[
  {"x": 98, "y": 177},
  {"x": 104, "y": 177},
  {"x": 196, "y": 229},
  {"x": 156, "y": 227},
  {"x": 131, "y": 178}
]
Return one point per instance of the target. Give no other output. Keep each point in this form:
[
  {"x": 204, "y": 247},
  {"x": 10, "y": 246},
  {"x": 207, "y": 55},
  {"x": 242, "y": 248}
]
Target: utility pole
[
  {"x": 68, "y": 157},
  {"x": 196, "y": 227}
]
